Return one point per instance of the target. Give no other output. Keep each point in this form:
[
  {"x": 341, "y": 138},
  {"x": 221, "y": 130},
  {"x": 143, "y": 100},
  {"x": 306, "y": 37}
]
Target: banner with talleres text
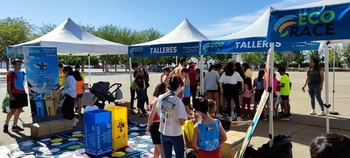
[
  {"x": 330, "y": 22},
  {"x": 253, "y": 44},
  {"x": 42, "y": 79},
  {"x": 178, "y": 49}
]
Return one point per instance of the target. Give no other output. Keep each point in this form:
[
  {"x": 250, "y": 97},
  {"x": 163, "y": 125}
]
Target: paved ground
[{"x": 302, "y": 128}]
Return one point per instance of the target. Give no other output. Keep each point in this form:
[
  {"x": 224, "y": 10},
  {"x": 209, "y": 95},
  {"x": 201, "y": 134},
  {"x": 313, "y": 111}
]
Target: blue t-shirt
[
  {"x": 187, "y": 92},
  {"x": 259, "y": 84},
  {"x": 209, "y": 136}
]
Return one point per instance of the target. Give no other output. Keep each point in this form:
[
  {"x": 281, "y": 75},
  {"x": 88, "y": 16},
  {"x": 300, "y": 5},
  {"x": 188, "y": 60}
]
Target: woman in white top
[
  {"x": 230, "y": 90},
  {"x": 69, "y": 93},
  {"x": 172, "y": 114}
]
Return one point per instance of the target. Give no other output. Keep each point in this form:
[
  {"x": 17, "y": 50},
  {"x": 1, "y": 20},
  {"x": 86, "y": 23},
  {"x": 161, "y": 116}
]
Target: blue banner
[
  {"x": 42, "y": 78},
  {"x": 310, "y": 24},
  {"x": 255, "y": 44},
  {"x": 17, "y": 52},
  {"x": 179, "y": 49}
]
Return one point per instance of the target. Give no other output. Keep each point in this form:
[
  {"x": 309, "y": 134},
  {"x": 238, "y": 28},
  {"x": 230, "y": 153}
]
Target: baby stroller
[{"x": 101, "y": 90}]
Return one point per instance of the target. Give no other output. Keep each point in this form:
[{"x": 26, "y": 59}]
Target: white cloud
[{"x": 228, "y": 26}]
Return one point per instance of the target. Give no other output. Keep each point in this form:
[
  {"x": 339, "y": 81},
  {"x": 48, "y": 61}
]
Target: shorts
[
  {"x": 186, "y": 101},
  {"x": 285, "y": 97},
  {"x": 258, "y": 94},
  {"x": 21, "y": 100},
  {"x": 79, "y": 95},
  {"x": 212, "y": 91},
  {"x": 274, "y": 95},
  {"x": 155, "y": 134}
]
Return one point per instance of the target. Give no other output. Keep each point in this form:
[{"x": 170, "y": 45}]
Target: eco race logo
[
  {"x": 308, "y": 24},
  {"x": 136, "y": 51},
  {"x": 213, "y": 46}
]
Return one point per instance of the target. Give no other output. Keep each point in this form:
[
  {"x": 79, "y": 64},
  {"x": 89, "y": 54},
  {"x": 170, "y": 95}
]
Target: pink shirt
[{"x": 275, "y": 81}]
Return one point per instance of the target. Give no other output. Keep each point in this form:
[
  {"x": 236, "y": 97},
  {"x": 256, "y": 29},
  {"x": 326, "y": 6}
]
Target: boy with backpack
[{"x": 18, "y": 95}]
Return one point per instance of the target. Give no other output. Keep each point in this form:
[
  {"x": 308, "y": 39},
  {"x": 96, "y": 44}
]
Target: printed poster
[{"x": 41, "y": 64}]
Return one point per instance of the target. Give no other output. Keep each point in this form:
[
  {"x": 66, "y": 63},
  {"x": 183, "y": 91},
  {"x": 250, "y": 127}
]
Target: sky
[{"x": 213, "y": 18}]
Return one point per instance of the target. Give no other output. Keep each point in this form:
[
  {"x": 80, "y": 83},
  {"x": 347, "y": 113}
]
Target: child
[
  {"x": 259, "y": 87},
  {"x": 141, "y": 97},
  {"x": 155, "y": 121},
  {"x": 188, "y": 130},
  {"x": 209, "y": 134},
  {"x": 247, "y": 95},
  {"x": 285, "y": 92},
  {"x": 166, "y": 72}
]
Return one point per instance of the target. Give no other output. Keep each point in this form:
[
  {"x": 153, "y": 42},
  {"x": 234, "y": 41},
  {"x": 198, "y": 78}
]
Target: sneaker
[
  {"x": 75, "y": 121},
  {"x": 17, "y": 129},
  {"x": 322, "y": 113},
  {"x": 285, "y": 118},
  {"x": 313, "y": 112},
  {"x": 230, "y": 118},
  {"x": 239, "y": 119},
  {"x": 6, "y": 129},
  {"x": 290, "y": 116}
]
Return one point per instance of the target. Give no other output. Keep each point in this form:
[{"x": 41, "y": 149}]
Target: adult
[
  {"x": 18, "y": 95},
  {"x": 155, "y": 121},
  {"x": 194, "y": 78},
  {"x": 211, "y": 81},
  {"x": 177, "y": 70},
  {"x": 69, "y": 93},
  {"x": 314, "y": 81},
  {"x": 229, "y": 88},
  {"x": 172, "y": 115},
  {"x": 79, "y": 90},
  {"x": 248, "y": 72},
  {"x": 330, "y": 145},
  {"x": 137, "y": 72}
]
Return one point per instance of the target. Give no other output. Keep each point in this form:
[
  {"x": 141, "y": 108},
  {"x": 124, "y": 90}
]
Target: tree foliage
[{"x": 255, "y": 58}]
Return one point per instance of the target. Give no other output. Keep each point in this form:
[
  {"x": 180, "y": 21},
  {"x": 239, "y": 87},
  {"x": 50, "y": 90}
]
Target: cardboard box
[
  {"x": 233, "y": 143},
  {"x": 38, "y": 130}
]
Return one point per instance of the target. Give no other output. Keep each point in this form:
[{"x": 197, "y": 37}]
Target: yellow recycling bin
[
  {"x": 119, "y": 126},
  {"x": 50, "y": 105}
]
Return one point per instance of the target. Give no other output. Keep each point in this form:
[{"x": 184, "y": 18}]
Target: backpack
[{"x": 118, "y": 94}]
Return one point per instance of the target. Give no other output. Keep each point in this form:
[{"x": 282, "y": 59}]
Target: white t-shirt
[
  {"x": 231, "y": 79},
  {"x": 170, "y": 110}
]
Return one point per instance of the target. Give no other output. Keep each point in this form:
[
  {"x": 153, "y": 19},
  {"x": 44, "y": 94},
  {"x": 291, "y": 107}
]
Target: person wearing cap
[
  {"x": 77, "y": 68},
  {"x": 207, "y": 131},
  {"x": 18, "y": 95},
  {"x": 194, "y": 77}
]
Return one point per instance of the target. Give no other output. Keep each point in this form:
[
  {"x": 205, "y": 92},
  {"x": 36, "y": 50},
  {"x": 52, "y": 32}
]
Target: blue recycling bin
[
  {"x": 98, "y": 133},
  {"x": 40, "y": 108}
]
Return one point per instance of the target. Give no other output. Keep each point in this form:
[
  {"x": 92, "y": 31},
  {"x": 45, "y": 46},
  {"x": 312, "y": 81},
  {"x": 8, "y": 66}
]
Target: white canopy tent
[
  {"x": 256, "y": 29},
  {"x": 71, "y": 39},
  {"x": 183, "y": 33}
]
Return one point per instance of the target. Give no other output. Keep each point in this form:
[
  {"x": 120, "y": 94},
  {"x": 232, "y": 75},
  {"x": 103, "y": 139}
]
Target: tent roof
[
  {"x": 320, "y": 4},
  {"x": 257, "y": 29},
  {"x": 71, "y": 39},
  {"x": 183, "y": 33}
]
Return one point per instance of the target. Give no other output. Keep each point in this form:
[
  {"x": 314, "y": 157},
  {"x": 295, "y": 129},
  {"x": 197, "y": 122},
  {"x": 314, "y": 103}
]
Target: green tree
[
  {"x": 345, "y": 49},
  {"x": 299, "y": 57},
  {"x": 315, "y": 54},
  {"x": 222, "y": 58},
  {"x": 255, "y": 58},
  {"x": 335, "y": 54},
  {"x": 13, "y": 31}
]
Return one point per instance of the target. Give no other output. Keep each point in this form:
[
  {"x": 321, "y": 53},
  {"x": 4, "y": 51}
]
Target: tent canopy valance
[
  {"x": 71, "y": 39},
  {"x": 183, "y": 40},
  {"x": 252, "y": 39}
]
